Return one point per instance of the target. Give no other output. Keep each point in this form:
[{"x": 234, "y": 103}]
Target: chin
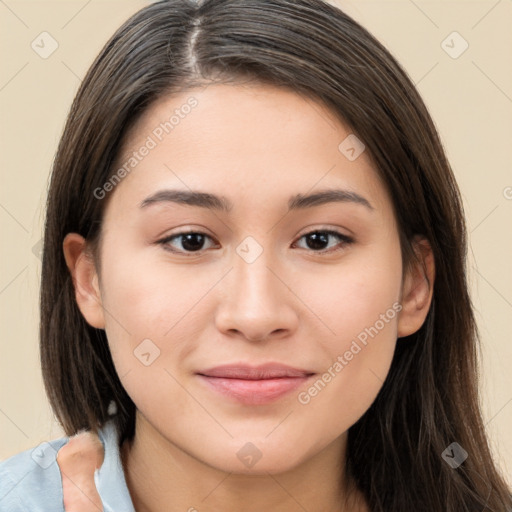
[{"x": 255, "y": 458}]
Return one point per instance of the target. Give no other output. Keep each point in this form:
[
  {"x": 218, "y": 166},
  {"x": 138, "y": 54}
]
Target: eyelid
[{"x": 325, "y": 229}]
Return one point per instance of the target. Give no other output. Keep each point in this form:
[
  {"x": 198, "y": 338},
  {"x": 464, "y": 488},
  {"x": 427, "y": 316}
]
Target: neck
[{"x": 163, "y": 477}]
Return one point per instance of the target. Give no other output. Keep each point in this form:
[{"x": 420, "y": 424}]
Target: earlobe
[
  {"x": 417, "y": 290},
  {"x": 85, "y": 279}
]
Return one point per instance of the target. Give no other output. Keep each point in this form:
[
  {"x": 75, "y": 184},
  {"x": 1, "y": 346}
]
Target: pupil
[
  {"x": 318, "y": 239},
  {"x": 190, "y": 241}
]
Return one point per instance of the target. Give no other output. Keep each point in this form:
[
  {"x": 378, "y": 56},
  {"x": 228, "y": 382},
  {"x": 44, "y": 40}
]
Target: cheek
[
  {"x": 350, "y": 297},
  {"x": 149, "y": 296},
  {"x": 358, "y": 306},
  {"x": 154, "y": 314},
  {"x": 359, "y": 360},
  {"x": 147, "y": 309}
]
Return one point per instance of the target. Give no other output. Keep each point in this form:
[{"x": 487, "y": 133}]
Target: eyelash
[{"x": 345, "y": 240}]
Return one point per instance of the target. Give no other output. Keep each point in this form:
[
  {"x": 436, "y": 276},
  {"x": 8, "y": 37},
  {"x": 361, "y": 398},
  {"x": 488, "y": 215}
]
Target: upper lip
[{"x": 263, "y": 371}]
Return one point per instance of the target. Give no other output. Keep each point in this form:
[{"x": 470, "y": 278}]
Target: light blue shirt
[{"x": 30, "y": 481}]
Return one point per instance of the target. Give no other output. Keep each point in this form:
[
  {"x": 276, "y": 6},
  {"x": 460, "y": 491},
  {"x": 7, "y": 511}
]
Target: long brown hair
[{"x": 430, "y": 397}]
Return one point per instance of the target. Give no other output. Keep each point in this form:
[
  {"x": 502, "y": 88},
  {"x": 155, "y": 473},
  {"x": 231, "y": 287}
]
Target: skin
[
  {"x": 297, "y": 303},
  {"x": 77, "y": 460}
]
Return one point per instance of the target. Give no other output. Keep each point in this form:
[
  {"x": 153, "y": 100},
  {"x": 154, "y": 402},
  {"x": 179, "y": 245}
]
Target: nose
[{"x": 256, "y": 302}]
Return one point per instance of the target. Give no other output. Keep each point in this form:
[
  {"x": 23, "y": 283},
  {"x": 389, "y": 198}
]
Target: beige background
[{"x": 470, "y": 98}]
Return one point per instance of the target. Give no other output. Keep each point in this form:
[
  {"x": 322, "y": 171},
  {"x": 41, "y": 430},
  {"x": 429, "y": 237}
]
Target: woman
[{"x": 253, "y": 281}]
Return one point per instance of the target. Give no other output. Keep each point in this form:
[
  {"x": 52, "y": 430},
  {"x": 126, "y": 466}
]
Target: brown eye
[
  {"x": 189, "y": 241},
  {"x": 318, "y": 241}
]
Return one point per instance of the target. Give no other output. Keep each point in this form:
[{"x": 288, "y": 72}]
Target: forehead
[{"x": 253, "y": 140}]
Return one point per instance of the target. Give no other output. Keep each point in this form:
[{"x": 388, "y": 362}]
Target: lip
[{"x": 254, "y": 385}]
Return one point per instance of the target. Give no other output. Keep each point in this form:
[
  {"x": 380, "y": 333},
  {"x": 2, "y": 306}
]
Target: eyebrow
[{"x": 222, "y": 203}]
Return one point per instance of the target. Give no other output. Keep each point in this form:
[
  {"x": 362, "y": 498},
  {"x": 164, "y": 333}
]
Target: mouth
[{"x": 254, "y": 385}]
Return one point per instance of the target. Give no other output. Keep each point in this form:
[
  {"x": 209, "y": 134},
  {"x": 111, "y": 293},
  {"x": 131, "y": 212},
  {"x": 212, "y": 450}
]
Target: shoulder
[{"x": 31, "y": 480}]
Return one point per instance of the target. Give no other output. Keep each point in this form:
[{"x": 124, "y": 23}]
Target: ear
[
  {"x": 417, "y": 289},
  {"x": 85, "y": 279}
]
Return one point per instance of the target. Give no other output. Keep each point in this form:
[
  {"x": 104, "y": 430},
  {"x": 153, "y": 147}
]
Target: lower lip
[{"x": 254, "y": 392}]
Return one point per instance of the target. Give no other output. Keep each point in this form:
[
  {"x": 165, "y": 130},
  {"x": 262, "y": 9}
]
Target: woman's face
[{"x": 273, "y": 278}]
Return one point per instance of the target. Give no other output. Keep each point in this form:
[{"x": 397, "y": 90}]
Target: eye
[
  {"x": 194, "y": 241},
  {"x": 190, "y": 241},
  {"x": 318, "y": 239}
]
